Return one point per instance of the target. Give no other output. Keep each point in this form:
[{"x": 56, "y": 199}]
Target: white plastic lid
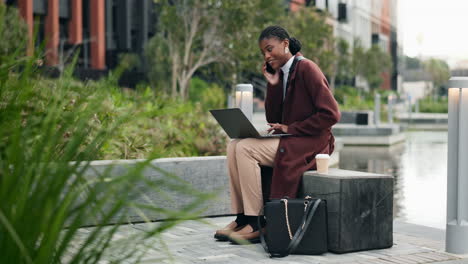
[{"x": 322, "y": 156}]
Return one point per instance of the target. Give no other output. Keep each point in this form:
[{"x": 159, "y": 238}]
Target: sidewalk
[{"x": 192, "y": 242}]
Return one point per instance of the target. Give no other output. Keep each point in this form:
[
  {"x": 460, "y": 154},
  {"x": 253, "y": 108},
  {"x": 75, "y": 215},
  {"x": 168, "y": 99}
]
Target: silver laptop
[{"x": 237, "y": 125}]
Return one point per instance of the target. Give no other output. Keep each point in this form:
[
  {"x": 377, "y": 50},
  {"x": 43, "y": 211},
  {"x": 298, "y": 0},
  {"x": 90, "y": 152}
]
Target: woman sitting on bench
[{"x": 298, "y": 102}]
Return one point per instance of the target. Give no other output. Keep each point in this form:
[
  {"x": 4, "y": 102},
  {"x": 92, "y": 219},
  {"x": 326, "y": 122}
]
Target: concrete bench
[{"x": 360, "y": 208}]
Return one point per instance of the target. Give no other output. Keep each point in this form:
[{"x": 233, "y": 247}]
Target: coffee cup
[{"x": 322, "y": 162}]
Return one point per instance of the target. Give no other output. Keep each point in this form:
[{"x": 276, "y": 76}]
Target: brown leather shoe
[
  {"x": 245, "y": 235},
  {"x": 223, "y": 234}
]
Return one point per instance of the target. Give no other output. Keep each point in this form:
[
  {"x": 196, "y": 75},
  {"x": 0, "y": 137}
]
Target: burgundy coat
[{"x": 309, "y": 110}]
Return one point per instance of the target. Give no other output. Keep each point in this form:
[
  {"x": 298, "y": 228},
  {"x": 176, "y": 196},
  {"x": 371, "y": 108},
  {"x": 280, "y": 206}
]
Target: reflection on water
[{"x": 419, "y": 167}]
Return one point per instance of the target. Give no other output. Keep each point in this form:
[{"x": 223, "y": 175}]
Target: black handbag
[{"x": 295, "y": 226}]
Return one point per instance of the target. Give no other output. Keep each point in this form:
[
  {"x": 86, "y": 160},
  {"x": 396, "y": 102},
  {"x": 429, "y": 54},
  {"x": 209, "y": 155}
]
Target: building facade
[
  {"x": 371, "y": 22},
  {"x": 98, "y": 30}
]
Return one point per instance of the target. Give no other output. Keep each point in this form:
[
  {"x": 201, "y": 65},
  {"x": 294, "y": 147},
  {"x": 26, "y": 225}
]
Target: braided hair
[{"x": 281, "y": 33}]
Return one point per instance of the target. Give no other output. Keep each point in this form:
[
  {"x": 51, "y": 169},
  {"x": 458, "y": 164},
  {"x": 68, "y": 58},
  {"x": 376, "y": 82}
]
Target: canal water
[{"x": 419, "y": 167}]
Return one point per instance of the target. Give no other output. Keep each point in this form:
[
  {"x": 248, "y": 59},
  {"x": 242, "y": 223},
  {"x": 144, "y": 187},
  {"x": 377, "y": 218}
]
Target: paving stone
[
  {"x": 378, "y": 261},
  {"x": 458, "y": 261},
  {"x": 374, "y": 254},
  {"x": 432, "y": 257},
  {"x": 398, "y": 259},
  {"x": 443, "y": 256},
  {"x": 366, "y": 261},
  {"x": 193, "y": 242},
  {"x": 417, "y": 258}
]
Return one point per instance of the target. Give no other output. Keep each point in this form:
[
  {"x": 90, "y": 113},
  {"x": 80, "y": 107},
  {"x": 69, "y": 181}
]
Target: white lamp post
[
  {"x": 244, "y": 99},
  {"x": 456, "y": 240},
  {"x": 377, "y": 109},
  {"x": 390, "y": 109}
]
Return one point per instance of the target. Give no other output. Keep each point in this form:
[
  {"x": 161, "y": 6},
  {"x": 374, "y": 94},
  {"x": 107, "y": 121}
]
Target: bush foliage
[
  {"x": 430, "y": 105},
  {"x": 353, "y": 98},
  {"x": 46, "y": 198},
  {"x": 51, "y": 130}
]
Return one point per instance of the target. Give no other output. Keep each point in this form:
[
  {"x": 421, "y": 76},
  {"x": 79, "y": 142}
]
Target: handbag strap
[
  {"x": 262, "y": 235},
  {"x": 298, "y": 236}
]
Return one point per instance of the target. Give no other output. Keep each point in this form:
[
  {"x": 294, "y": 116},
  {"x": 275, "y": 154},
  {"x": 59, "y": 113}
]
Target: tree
[
  {"x": 14, "y": 33},
  {"x": 358, "y": 58},
  {"x": 193, "y": 34},
  {"x": 439, "y": 71},
  {"x": 316, "y": 36},
  {"x": 412, "y": 63},
  {"x": 344, "y": 71},
  {"x": 245, "y": 59},
  {"x": 370, "y": 64},
  {"x": 377, "y": 62}
]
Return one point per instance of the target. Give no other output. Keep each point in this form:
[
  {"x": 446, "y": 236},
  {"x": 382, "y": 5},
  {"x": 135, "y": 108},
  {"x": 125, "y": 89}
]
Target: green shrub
[
  {"x": 430, "y": 105},
  {"x": 46, "y": 124},
  {"x": 46, "y": 198},
  {"x": 163, "y": 126},
  {"x": 160, "y": 126},
  {"x": 385, "y": 93},
  {"x": 210, "y": 96},
  {"x": 351, "y": 98},
  {"x": 14, "y": 34}
]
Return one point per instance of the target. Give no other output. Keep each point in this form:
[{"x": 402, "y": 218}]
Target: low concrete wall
[
  {"x": 340, "y": 130},
  {"x": 371, "y": 135},
  {"x": 373, "y": 141},
  {"x": 206, "y": 174},
  {"x": 424, "y": 121},
  {"x": 423, "y": 118}
]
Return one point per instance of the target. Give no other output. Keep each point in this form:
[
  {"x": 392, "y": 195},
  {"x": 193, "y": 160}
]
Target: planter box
[{"x": 357, "y": 117}]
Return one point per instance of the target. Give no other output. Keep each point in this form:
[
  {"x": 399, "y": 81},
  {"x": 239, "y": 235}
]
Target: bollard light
[
  {"x": 456, "y": 240},
  {"x": 410, "y": 110},
  {"x": 377, "y": 109},
  {"x": 390, "y": 109},
  {"x": 244, "y": 99}
]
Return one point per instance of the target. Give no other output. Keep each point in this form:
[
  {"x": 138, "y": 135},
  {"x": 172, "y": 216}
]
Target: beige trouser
[{"x": 244, "y": 157}]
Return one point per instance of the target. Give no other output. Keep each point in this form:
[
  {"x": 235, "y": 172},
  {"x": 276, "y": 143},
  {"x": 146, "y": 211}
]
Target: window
[{"x": 342, "y": 12}]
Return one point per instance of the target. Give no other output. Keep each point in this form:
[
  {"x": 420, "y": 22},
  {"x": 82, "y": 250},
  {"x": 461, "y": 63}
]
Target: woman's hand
[
  {"x": 273, "y": 79},
  {"x": 276, "y": 126}
]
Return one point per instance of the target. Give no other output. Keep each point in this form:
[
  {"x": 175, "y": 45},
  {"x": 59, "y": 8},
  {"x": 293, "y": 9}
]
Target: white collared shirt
[{"x": 285, "y": 70}]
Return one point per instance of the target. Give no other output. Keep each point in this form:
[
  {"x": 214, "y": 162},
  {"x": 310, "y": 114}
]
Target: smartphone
[{"x": 270, "y": 69}]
